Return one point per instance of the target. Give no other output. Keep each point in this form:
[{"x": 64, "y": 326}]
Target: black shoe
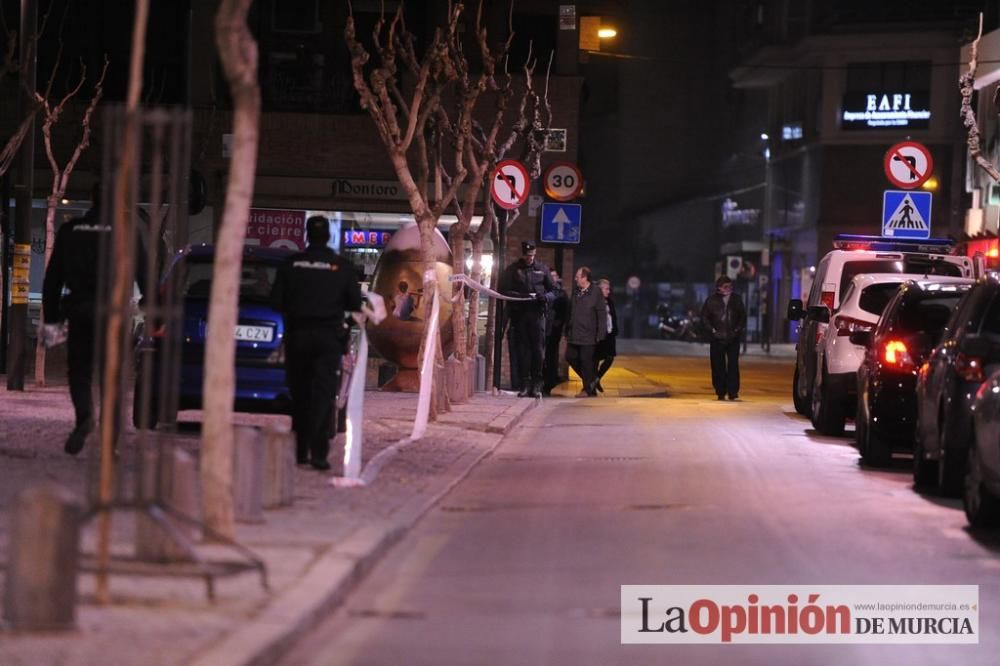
[
  {"x": 301, "y": 460},
  {"x": 597, "y": 385},
  {"x": 77, "y": 438},
  {"x": 734, "y": 396},
  {"x": 721, "y": 397},
  {"x": 320, "y": 465}
]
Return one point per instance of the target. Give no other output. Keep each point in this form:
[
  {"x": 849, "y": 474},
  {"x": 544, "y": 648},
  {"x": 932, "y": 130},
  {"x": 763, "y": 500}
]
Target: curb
[{"x": 325, "y": 585}]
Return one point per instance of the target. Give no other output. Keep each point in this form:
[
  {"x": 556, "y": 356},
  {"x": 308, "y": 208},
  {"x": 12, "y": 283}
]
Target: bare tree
[
  {"x": 967, "y": 86},
  {"x": 52, "y": 113},
  {"x": 406, "y": 117},
  {"x": 238, "y": 53},
  {"x": 531, "y": 135}
]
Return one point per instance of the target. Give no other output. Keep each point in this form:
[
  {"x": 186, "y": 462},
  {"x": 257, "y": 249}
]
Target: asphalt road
[{"x": 523, "y": 562}]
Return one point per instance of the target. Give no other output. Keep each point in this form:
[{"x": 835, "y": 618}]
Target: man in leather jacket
[
  {"x": 725, "y": 319},
  {"x": 528, "y": 278}
]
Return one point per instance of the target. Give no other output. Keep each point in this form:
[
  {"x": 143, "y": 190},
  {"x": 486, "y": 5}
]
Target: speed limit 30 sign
[{"x": 563, "y": 181}]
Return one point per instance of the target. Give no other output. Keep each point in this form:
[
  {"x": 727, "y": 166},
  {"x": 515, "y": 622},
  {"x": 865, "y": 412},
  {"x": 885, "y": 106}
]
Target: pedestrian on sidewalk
[
  {"x": 587, "y": 325},
  {"x": 314, "y": 290},
  {"x": 528, "y": 278},
  {"x": 555, "y": 322},
  {"x": 725, "y": 318},
  {"x": 73, "y": 267},
  {"x": 605, "y": 352}
]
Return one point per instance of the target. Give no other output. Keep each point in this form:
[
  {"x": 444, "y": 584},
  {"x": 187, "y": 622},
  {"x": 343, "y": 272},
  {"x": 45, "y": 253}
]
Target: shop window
[
  {"x": 864, "y": 77},
  {"x": 296, "y": 16}
]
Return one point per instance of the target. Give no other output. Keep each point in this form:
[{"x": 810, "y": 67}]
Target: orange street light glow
[{"x": 607, "y": 33}]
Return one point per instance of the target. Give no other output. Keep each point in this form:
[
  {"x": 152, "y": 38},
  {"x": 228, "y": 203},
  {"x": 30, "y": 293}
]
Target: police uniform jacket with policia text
[
  {"x": 520, "y": 279},
  {"x": 315, "y": 288},
  {"x": 74, "y": 265}
]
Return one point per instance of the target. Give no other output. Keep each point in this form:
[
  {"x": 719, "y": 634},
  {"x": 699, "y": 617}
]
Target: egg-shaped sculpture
[{"x": 399, "y": 280}]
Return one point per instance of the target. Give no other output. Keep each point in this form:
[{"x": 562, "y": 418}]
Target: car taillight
[
  {"x": 847, "y": 325},
  {"x": 969, "y": 368},
  {"x": 897, "y": 355},
  {"x": 159, "y": 332},
  {"x": 826, "y": 298}
]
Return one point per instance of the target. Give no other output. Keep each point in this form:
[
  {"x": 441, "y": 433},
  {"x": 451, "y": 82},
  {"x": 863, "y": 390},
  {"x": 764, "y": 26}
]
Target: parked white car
[{"x": 835, "y": 385}]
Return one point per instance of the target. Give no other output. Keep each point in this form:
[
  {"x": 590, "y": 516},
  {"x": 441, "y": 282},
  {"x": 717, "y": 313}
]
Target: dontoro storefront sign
[{"x": 272, "y": 227}]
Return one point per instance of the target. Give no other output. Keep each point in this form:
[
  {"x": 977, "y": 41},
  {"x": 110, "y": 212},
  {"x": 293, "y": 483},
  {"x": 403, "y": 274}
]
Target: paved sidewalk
[
  {"x": 314, "y": 550},
  {"x": 649, "y": 347}
]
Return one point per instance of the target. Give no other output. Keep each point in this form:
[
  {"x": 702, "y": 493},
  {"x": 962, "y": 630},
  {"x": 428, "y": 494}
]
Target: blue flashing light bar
[{"x": 882, "y": 244}]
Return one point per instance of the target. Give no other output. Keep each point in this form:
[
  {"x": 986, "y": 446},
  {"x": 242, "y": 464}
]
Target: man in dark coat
[
  {"x": 528, "y": 278},
  {"x": 314, "y": 289},
  {"x": 587, "y": 325},
  {"x": 725, "y": 319},
  {"x": 555, "y": 321},
  {"x": 73, "y": 266}
]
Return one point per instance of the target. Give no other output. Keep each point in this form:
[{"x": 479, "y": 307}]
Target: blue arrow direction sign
[
  {"x": 906, "y": 214},
  {"x": 561, "y": 222}
]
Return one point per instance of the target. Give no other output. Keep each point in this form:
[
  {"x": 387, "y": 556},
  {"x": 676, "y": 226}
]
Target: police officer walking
[
  {"x": 73, "y": 266},
  {"x": 314, "y": 289},
  {"x": 528, "y": 277}
]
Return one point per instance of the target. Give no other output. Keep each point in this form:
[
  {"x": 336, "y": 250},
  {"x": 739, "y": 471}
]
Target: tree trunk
[
  {"x": 238, "y": 53},
  {"x": 472, "y": 348},
  {"x": 50, "y": 235},
  {"x": 458, "y": 327}
]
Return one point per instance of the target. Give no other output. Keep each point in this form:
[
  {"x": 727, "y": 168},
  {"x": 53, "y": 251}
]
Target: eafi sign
[{"x": 886, "y": 110}]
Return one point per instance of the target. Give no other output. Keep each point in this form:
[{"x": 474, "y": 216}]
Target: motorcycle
[{"x": 678, "y": 327}]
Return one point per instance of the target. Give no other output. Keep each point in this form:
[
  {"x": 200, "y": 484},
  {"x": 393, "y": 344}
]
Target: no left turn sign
[
  {"x": 509, "y": 184},
  {"x": 908, "y": 164},
  {"x": 563, "y": 181}
]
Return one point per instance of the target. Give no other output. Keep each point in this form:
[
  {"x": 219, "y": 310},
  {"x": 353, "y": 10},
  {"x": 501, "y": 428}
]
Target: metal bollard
[
  {"x": 40, "y": 589},
  {"x": 279, "y": 468},
  {"x": 248, "y": 475}
]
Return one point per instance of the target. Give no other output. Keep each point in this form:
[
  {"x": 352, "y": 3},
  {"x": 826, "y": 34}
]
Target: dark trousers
[
  {"x": 550, "y": 366},
  {"x": 725, "y": 357},
  {"x": 604, "y": 366},
  {"x": 581, "y": 359},
  {"x": 529, "y": 331},
  {"x": 80, "y": 367},
  {"x": 312, "y": 369}
]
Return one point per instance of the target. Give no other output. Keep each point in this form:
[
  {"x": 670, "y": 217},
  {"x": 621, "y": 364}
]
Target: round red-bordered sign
[
  {"x": 563, "y": 181},
  {"x": 509, "y": 184},
  {"x": 908, "y": 164}
]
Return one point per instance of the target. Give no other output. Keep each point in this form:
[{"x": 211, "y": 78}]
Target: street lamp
[{"x": 607, "y": 33}]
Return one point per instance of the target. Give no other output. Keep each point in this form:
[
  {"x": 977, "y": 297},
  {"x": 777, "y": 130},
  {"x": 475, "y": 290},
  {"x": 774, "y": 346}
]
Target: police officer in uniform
[
  {"x": 314, "y": 289},
  {"x": 73, "y": 266},
  {"x": 528, "y": 277}
]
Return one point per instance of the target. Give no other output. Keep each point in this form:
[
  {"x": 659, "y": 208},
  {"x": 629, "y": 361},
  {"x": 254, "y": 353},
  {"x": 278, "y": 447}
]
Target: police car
[
  {"x": 260, "y": 363},
  {"x": 852, "y": 256}
]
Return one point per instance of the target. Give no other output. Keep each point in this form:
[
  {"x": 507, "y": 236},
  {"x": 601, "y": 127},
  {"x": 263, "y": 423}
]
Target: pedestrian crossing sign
[{"x": 906, "y": 214}]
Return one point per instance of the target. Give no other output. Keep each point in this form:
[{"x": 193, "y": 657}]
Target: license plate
[{"x": 255, "y": 333}]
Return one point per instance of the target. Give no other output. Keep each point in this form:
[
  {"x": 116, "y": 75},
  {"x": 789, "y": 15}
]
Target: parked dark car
[
  {"x": 947, "y": 385},
  {"x": 910, "y": 326},
  {"x": 981, "y": 496},
  {"x": 260, "y": 369}
]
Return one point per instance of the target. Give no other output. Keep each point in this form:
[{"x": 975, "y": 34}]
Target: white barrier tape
[
  {"x": 354, "y": 437},
  {"x": 427, "y": 371},
  {"x": 482, "y": 289}
]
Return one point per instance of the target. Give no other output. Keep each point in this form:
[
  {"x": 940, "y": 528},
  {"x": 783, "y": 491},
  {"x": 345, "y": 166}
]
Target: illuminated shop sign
[
  {"x": 366, "y": 238},
  {"x": 886, "y": 110}
]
